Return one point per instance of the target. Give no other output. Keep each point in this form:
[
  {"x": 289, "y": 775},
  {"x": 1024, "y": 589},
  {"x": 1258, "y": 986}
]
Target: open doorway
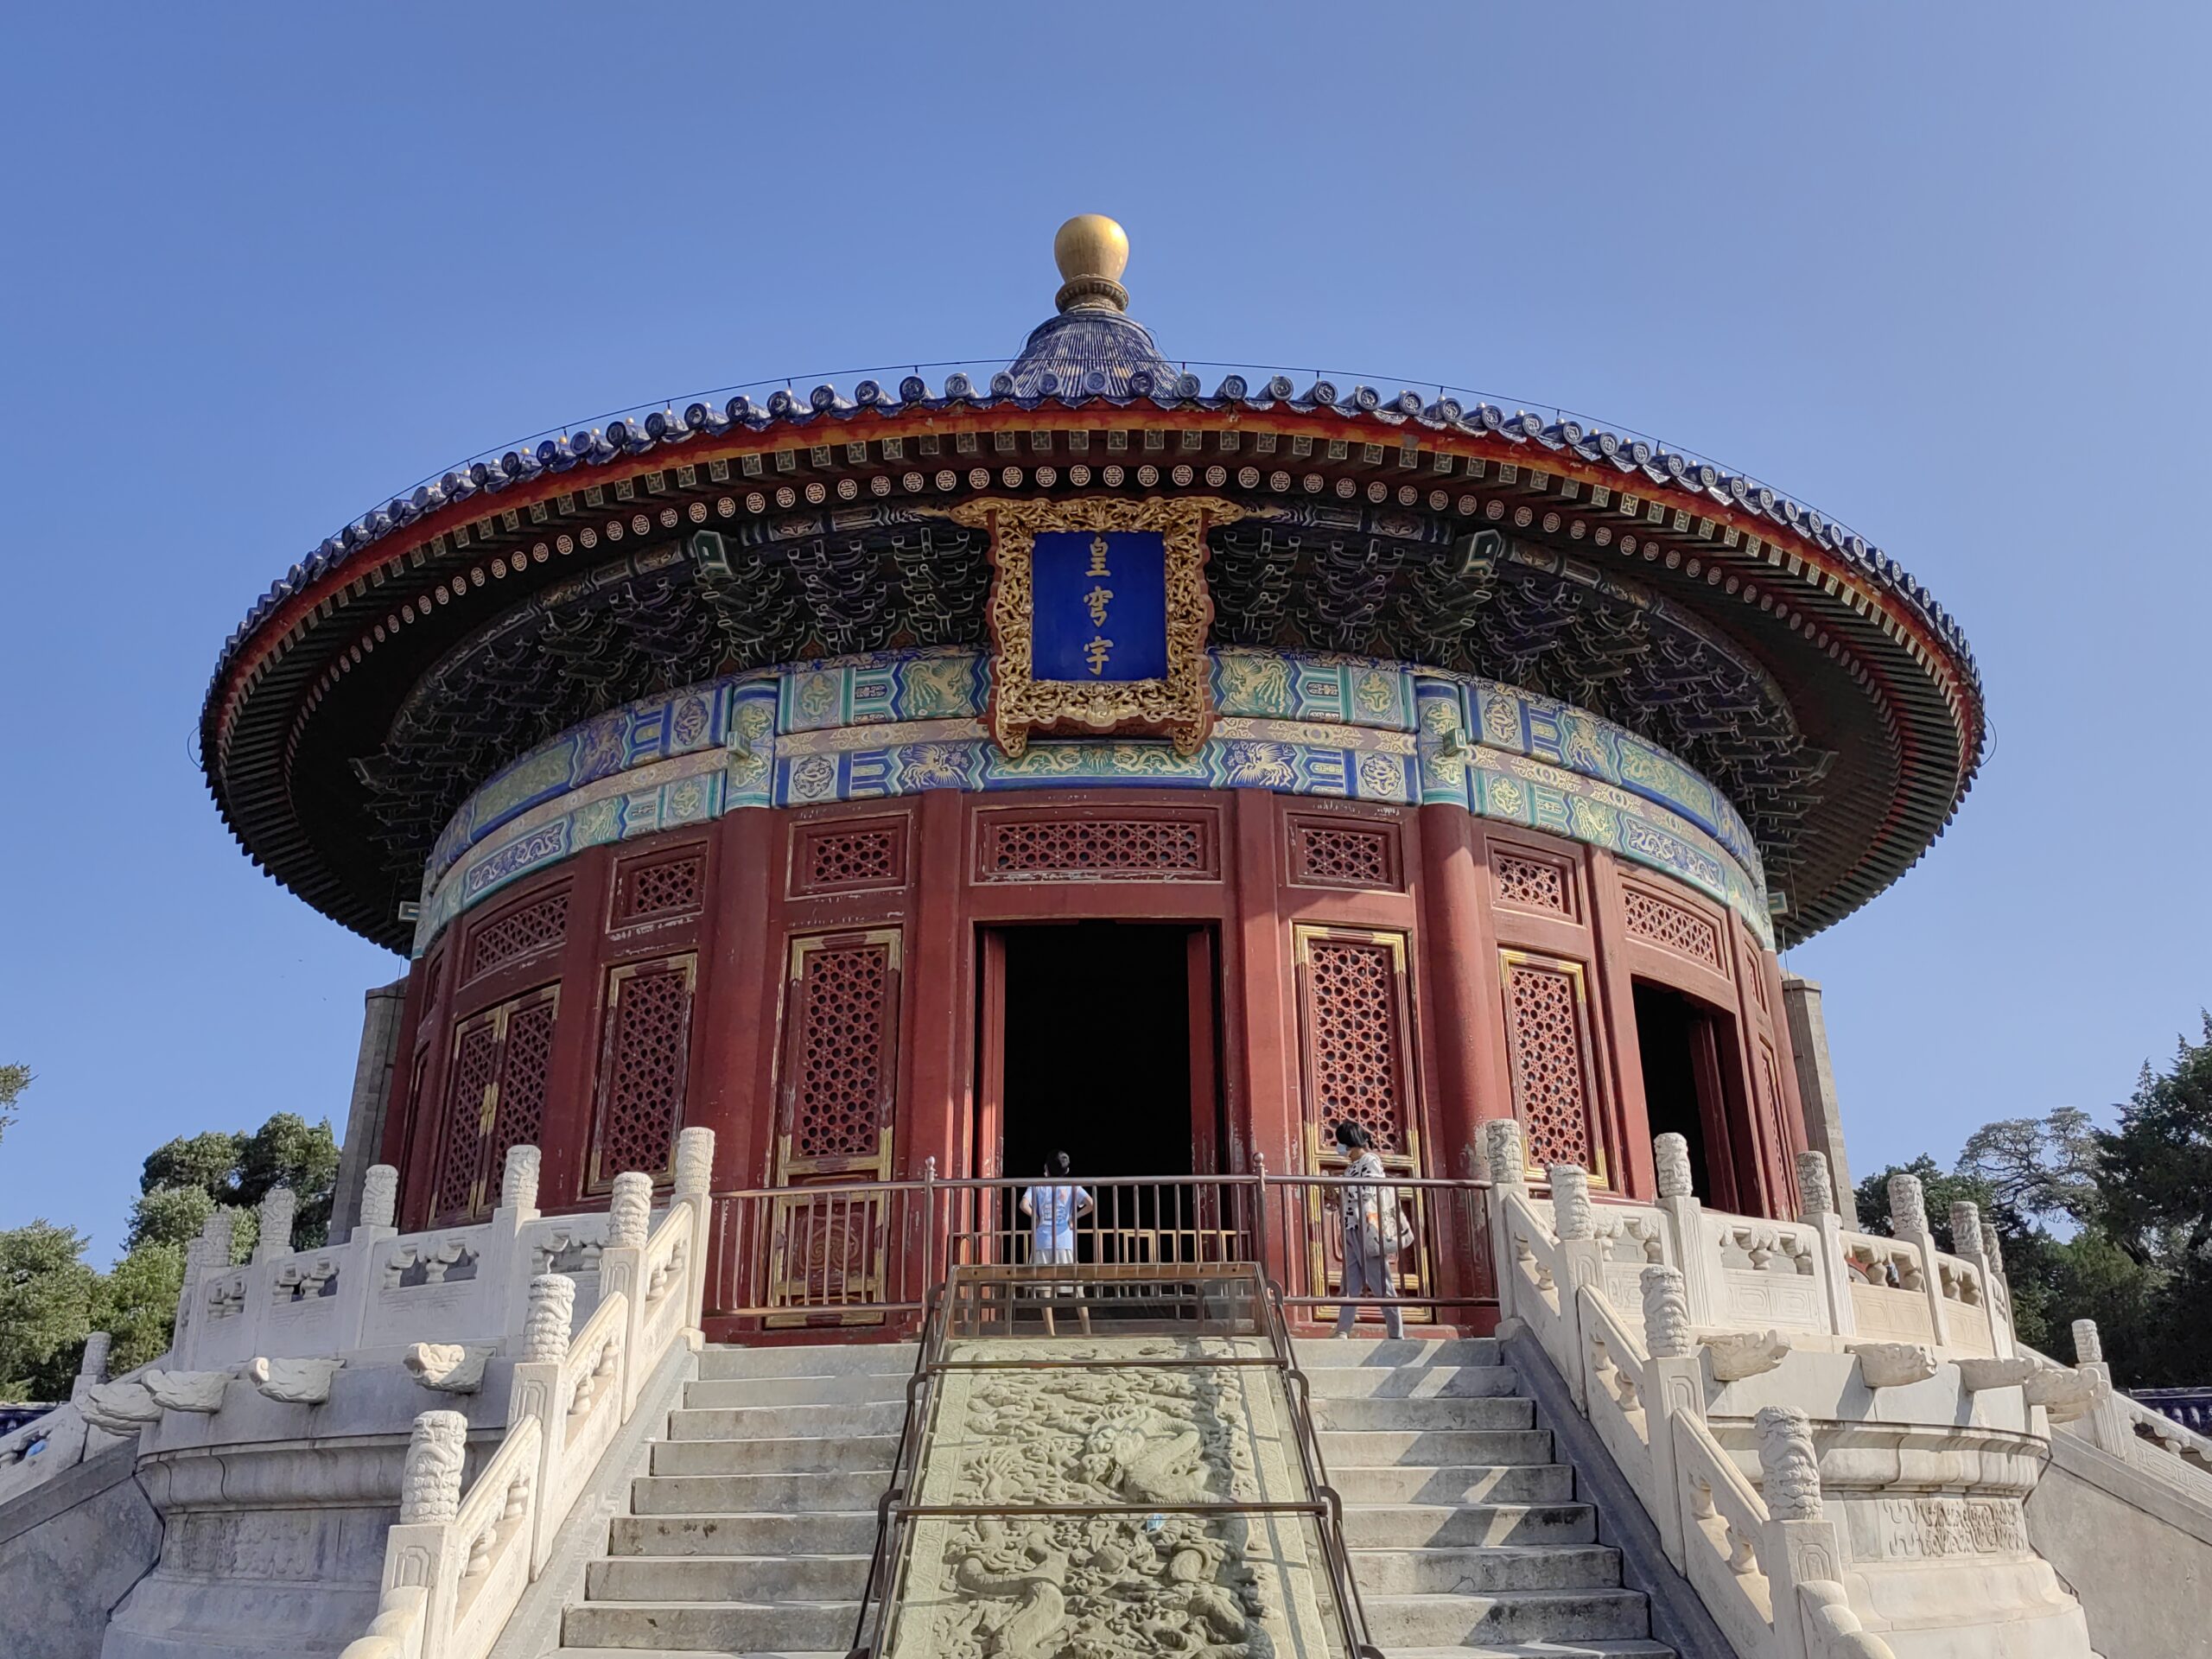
[
  {"x": 1095, "y": 1044},
  {"x": 1680, "y": 1041}
]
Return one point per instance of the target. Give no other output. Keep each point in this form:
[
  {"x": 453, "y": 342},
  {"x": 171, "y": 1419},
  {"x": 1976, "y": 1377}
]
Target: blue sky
[{"x": 1936, "y": 271}]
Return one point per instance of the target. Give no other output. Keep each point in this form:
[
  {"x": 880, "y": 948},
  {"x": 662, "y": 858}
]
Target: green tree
[
  {"x": 136, "y": 1304},
  {"x": 45, "y": 1304},
  {"x": 185, "y": 1179},
  {"x": 14, "y": 1079}
]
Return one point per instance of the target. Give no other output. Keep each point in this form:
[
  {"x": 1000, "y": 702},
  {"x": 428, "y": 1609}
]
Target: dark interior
[
  {"x": 1097, "y": 1049},
  {"x": 1671, "y": 1030}
]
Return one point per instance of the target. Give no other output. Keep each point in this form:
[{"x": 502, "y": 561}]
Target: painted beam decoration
[{"x": 1099, "y": 614}]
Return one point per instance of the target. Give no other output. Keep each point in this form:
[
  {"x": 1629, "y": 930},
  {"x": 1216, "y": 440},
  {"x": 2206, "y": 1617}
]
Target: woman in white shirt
[
  {"x": 1370, "y": 1274},
  {"x": 1053, "y": 1208}
]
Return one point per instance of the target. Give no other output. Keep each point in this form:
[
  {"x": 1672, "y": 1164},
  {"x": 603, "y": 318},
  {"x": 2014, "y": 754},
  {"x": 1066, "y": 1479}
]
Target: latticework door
[
  {"x": 1357, "y": 1036},
  {"x": 1548, "y": 1049},
  {"x": 495, "y": 1099},
  {"x": 840, "y": 1066},
  {"x": 644, "y": 1062}
]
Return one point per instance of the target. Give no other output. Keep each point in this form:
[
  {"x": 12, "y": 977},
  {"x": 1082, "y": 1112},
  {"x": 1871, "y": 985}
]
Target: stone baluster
[
  {"x": 1816, "y": 1208},
  {"x": 1908, "y": 1225},
  {"x": 1815, "y": 1192},
  {"x": 552, "y": 1309},
  {"x": 694, "y": 1179},
  {"x": 279, "y": 1207},
  {"x": 1502, "y": 1150},
  {"x": 1687, "y": 1244},
  {"x": 93, "y": 1367},
  {"x": 380, "y": 1201},
  {"x": 534, "y": 1389},
  {"x": 2089, "y": 1346},
  {"x": 1802, "y": 1545},
  {"x": 622, "y": 1267},
  {"x": 423, "y": 1549},
  {"x": 1508, "y": 1178},
  {"x": 429, "y": 1483},
  {"x": 1582, "y": 1265},
  {"x": 518, "y": 1181},
  {"x": 1674, "y": 1381},
  {"x": 204, "y": 1257}
]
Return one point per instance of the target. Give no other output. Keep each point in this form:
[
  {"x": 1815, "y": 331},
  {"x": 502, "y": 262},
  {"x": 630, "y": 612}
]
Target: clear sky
[{"x": 1937, "y": 271}]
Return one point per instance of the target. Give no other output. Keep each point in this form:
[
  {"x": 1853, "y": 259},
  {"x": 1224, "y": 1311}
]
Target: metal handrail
[
  {"x": 911, "y": 1231},
  {"x": 894, "y": 1512}
]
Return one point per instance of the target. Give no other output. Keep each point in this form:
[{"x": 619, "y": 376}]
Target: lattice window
[
  {"x": 522, "y": 931},
  {"x": 1551, "y": 1074},
  {"x": 434, "y": 973},
  {"x": 840, "y": 1061},
  {"x": 525, "y": 1062},
  {"x": 1017, "y": 849},
  {"x": 671, "y": 886},
  {"x": 1530, "y": 883},
  {"x": 476, "y": 1065},
  {"x": 1353, "y": 1027},
  {"x": 1755, "y": 966},
  {"x": 1670, "y": 927},
  {"x": 865, "y": 855},
  {"x": 643, "y": 1062},
  {"x": 1345, "y": 856}
]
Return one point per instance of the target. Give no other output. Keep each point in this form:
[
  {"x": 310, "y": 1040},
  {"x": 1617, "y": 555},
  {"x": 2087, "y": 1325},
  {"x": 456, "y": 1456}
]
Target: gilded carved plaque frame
[{"x": 1179, "y": 706}]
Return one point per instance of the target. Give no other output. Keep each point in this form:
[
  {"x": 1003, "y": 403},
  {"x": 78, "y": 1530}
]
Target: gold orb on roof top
[{"x": 1091, "y": 250}]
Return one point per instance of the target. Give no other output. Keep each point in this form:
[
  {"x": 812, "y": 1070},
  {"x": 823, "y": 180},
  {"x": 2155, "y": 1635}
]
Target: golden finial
[{"x": 1091, "y": 251}]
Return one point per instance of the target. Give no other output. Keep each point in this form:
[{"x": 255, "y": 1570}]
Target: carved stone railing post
[
  {"x": 519, "y": 1182},
  {"x": 622, "y": 1267},
  {"x": 534, "y": 1387},
  {"x": 1816, "y": 1208},
  {"x": 1700, "y": 1262},
  {"x": 1508, "y": 1175},
  {"x": 279, "y": 1205},
  {"x": 694, "y": 1180},
  {"x": 1582, "y": 1263},
  {"x": 1801, "y": 1546},
  {"x": 509, "y": 1262},
  {"x": 1675, "y": 1386},
  {"x": 379, "y": 1202},
  {"x": 1971, "y": 1238},
  {"x": 423, "y": 1549},
  {"x": 1908, "y": 1225},
  {"x": 204, "y": 1257},
  {"x": 2104, "y": 1424}
]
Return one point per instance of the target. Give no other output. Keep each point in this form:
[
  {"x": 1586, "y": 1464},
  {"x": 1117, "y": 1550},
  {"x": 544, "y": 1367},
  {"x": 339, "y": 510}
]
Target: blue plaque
[{"x": 1099, "y": 605}]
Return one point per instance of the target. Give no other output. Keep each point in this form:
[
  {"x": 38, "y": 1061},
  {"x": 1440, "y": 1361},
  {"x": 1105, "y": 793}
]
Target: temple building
[
  {"x": 1355, "y": 826},
  {"x": 1088, "y": 757}
]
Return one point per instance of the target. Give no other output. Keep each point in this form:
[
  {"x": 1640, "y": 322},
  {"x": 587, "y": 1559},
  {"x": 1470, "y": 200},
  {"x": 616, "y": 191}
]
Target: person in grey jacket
[{"x": 1370, "y": 1274}]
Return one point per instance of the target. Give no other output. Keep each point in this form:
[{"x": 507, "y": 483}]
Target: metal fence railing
[{"x": 869, "y": 1252}]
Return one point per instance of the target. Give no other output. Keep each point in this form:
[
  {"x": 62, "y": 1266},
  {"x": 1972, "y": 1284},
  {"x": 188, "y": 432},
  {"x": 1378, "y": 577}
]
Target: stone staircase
[
  {"x": 1465, "y": 1535},
  {"x": 750, "y": 1533}
]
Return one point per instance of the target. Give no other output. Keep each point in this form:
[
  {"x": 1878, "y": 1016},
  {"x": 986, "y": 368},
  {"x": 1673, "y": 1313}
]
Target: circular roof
[{"x": 444, "y": 634}]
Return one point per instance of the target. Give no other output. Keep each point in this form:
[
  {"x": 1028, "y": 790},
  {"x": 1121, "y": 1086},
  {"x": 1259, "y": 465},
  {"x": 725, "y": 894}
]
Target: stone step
[
  {"x": 1410, "y": 1382},
  {"x": 1481, "y": 1411},
  {"x": 1599, "y": 1646},
  {"x": 812, "y": 1533},
  {"x": 1418, "y": 1526},
  {"x": 1483, "y": 1571},
  {"x": 1450, "y": 1483},
  {"x": 763, "y": 1578},
  {"x": 810, "y": 1359},
  {"x": 1374, "y": 1448},
  {"x": 784, "y": 1423},
  {"x": 810, "y": 1455},
  {"x": 756, "y": 1494},
  {"x": 1325, "y": 1353},
  {"x": 1398, "y": 1621},
  {"x": 749, "y": 1628},
  {"x": 861, "y": 1388}
]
